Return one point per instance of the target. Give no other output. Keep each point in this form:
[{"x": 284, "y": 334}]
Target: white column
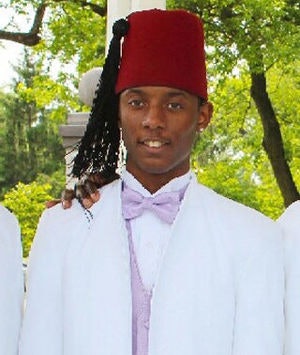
[
  {"x": 117, "y": 9},
  {"x": 147, "y": 4}
]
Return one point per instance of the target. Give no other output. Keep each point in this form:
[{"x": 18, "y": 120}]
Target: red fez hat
[{"x": 163, "y": 48}]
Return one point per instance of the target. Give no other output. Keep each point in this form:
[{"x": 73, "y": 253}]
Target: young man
[
  {"x": 12, "y": 288},
  {"x": 290, "y": 222},
  {"x": 160, "y": 265}
]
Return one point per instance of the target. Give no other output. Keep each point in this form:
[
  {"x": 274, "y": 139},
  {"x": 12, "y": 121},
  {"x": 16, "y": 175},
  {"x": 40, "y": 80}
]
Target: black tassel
[{"x": 99, "y": 147}]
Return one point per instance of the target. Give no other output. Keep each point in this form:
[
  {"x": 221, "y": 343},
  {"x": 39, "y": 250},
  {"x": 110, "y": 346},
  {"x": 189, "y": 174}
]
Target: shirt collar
[{"x": 175, "y": 184}]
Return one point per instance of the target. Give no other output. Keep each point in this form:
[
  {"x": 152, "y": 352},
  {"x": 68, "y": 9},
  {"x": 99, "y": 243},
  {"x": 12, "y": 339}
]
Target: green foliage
[
  {"x": 236, "y": 180},
  {"x": 57, "y": 181},
  {"x": 76, "y": 31},
  {"x": 28, "y": 130},
  {"x": 284, "y": 85},
  {"x": 229, "y": 156},
  {"x": 27, "y": 202},
  {"x": 257, "y": 31}
]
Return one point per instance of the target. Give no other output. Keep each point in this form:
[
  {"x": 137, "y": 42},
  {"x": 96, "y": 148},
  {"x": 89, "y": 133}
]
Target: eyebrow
[
  {"x": 177, "y": 93},
  {"x": 133, "y": 91},
  {"x": 172, "y": 93}
]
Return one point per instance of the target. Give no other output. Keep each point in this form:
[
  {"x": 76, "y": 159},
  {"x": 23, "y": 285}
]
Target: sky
[{"x": 9, "y": 54}]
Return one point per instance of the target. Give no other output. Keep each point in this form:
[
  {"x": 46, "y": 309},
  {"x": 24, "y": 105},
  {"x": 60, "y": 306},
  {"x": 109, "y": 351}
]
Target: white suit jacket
[
  {"x": 219, "y": 292},
  {"x": 11, "y": 283},
  {"x": 290, "y": 222}
]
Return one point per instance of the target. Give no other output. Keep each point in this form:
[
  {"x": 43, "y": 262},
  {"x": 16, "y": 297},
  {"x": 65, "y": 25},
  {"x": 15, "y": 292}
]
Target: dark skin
[
  {"x": 86, "y": 192},
  {"x": 159, "y": 126}
]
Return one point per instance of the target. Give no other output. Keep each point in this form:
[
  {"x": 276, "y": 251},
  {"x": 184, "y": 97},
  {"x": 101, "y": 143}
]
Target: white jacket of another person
[{"x": 11, "y": 283}]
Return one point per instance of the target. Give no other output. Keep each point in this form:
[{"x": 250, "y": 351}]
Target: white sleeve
[
  {"x": 259, "y": 318},
  {"x": 12, "y": 286}
]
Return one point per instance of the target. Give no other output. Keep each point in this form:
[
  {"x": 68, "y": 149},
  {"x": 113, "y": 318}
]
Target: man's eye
[
  {"x": 174, "y": 106},
  {"x": 136, "y": 103}
]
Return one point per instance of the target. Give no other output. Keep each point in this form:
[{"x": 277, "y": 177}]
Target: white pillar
[
  {"x": 117, "y": 9},
  {"x": 147, "y": 4}
]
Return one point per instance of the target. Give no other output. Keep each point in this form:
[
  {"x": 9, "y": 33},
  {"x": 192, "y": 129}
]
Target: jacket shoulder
[{"x": 237, "y": 220}]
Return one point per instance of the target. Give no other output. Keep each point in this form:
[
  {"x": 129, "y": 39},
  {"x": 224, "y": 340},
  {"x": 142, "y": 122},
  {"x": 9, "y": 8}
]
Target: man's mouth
[{"x": 153, "y": 144}]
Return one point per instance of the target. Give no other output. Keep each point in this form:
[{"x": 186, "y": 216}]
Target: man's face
[{"x": 159, "y": 125}]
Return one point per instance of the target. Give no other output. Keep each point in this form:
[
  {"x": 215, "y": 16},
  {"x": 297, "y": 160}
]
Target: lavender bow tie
[{"x": 164, "y": 205}]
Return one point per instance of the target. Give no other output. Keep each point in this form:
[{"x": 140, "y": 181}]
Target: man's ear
[{"x": 205, "y": 115}]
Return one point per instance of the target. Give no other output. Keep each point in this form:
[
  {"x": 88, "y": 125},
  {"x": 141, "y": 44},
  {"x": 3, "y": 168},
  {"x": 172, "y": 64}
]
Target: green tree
[
  {"x": 228, "y": 155},
  {"x": 27, "y": 203},
  {"x": 29, "y": 134}
]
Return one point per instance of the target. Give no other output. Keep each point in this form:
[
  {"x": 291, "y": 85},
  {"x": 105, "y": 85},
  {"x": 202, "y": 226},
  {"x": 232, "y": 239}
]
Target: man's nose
[{"x": 154, "y": 117}]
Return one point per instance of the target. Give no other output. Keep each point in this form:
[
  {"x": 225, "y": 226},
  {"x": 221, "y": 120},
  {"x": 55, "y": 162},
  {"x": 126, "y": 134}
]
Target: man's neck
[{"x": 155, "y": 182}]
